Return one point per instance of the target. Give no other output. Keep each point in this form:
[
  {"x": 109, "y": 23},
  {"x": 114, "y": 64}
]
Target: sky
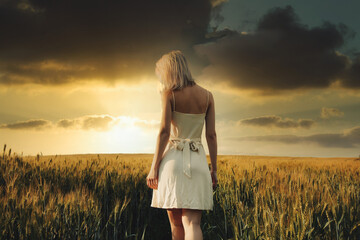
[{"x": 79, "y": 76}]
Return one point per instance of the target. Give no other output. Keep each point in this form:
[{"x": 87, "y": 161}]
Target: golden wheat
[{"x": 105, "y": 197}]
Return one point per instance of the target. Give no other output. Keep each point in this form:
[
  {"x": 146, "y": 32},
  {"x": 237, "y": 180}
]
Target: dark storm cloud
[
  {"x": 352, "y": 76},
  {"x": 60, "y": 41},
  {"x": 277, "y": 121},
  {"x": 282, "y": 54},
  {"x": 29, "y": 124},
  {"x": 348, "y": 139}
]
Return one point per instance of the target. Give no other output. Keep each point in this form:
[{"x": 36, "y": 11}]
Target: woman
[{"x": 179, "y": 175}]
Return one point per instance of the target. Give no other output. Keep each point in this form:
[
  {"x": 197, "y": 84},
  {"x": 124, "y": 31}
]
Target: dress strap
[
  {"x": 173, "y": 99},
  {"x": 207, "y": 102}
]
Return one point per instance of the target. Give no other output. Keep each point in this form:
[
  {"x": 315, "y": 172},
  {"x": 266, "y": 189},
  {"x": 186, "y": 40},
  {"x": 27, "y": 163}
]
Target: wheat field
[{"x": 104, "y": 196}]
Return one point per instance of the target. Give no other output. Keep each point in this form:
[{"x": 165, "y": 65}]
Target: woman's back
[
  {"x": 189, "y": 121},
  {"x": 191, "y": 99},
  {"x": 197, "y": 100}
]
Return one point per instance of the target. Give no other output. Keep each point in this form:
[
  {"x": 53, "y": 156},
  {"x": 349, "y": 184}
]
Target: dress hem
[{"x": 179, "y": 207}]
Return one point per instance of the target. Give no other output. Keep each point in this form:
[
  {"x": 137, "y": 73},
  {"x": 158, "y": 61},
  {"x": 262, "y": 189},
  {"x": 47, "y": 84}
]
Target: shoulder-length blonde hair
[{"x": 173, "y": 71}]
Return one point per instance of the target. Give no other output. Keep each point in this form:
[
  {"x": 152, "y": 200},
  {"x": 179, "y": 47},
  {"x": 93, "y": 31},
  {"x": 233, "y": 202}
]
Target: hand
[
  {"x": 214, "y": 179},
  {"x": 152, "y": 178}
]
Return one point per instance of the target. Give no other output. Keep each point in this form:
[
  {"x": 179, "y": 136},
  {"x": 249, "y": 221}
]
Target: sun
[{"x": 124, "y": 136}]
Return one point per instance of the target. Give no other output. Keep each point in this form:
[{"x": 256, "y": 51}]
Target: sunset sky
[{"x": 78, "y": 76}]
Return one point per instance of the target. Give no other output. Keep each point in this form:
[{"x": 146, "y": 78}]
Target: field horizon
[
  {"x": 249, "y": 157},
  {"x": 105, "y": 196}
]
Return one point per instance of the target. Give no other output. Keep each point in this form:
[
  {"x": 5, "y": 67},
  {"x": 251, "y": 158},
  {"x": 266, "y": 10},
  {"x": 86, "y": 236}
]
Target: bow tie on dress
[{"x": 185, "y": 145}]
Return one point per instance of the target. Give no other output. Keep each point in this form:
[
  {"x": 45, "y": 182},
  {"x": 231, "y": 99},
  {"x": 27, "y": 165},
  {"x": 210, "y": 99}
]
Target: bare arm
[
  {"x": 164, "y": 132},
  {"x": 211, "y": 133},
  {"x": 162, "y": 139}
]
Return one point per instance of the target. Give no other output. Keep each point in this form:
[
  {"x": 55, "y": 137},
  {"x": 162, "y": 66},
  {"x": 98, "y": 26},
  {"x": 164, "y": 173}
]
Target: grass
[{"x": 105, "y": 197}]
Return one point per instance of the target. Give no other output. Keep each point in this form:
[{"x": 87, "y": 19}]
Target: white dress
[{"x": 184, "y": 177}]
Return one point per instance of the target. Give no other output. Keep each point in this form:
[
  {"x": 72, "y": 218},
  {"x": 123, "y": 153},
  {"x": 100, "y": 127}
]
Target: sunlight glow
[{"x": 124, "y": 136}]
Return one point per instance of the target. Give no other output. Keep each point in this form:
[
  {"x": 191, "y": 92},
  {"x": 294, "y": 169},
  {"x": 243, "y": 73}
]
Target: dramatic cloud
[
  {"x": 89, "y": 122},
  {"x": 276, "y": 121},
  {"x": 105, "y": 122},
  {"x": 282, "y": 54},
  {"x": 352, "y": 76},
  {"x": 98, "y": 122},
  {"x": 331, "y": 112},
  {"x": 350, "y": 138},
  {"x": 36, "y": 124},
  {"x": 62, "y": 41},
  {"x": 68, "y": 123}
]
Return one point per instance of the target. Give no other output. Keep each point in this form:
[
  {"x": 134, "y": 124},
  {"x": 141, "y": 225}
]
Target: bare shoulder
[
  {"x": 211, "y": 98},
  {"x": 204, "y": 89},
  {"x": 166, "y": 95}
]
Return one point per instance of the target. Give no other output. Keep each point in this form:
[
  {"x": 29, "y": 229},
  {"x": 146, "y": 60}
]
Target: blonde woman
[{"x": 179, "y": 176}]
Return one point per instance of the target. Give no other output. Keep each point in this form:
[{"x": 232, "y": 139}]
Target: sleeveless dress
[{"x": 184, "y": 179}]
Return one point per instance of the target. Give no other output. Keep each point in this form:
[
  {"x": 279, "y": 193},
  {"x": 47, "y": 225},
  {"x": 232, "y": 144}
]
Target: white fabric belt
[{"x": 185, "y": 145}]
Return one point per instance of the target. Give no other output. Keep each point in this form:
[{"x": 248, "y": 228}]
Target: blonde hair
[{"x": 173, "y": 71}]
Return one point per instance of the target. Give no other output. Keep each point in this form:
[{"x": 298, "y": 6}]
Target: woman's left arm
[{"x": 162, "y": 140}]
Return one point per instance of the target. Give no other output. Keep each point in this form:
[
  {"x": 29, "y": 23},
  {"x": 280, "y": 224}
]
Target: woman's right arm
[{"x": 211, "y": 138}]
